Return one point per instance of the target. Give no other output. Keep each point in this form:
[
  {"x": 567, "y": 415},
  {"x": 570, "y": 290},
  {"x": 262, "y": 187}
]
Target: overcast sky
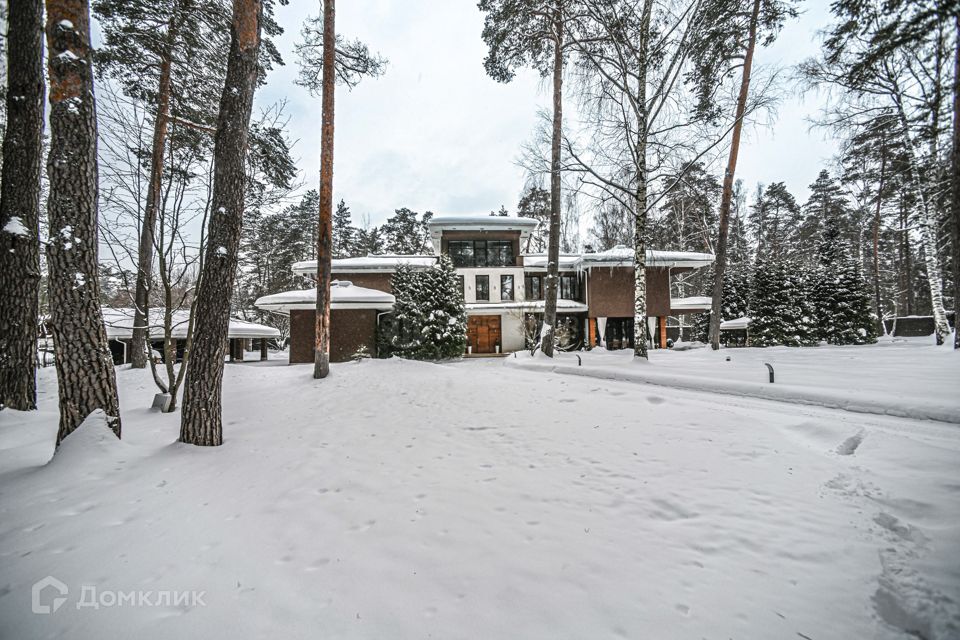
[{"x": 435, "y": 133}]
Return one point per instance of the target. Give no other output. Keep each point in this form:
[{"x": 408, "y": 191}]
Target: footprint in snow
[{"x": 849, "y": 446}]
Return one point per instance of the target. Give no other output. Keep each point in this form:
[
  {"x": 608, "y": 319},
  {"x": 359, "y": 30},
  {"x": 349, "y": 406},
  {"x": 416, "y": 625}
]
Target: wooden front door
[{"x": 483, "y": 332}]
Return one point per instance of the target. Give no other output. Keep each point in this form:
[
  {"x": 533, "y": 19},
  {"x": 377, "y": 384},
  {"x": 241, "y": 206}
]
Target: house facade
[{"x": 503, "y": 288}]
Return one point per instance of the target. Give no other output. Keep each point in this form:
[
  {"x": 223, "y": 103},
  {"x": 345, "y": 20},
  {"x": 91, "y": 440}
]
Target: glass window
[
  {"x": 461, "y": 253},
  {"x": 480, "y": 258},
  {"x": 483, "y": 287},
  {"x": 506, "y": 287},
  {"x": 568, "y": 287},
  {"x": 500, "y": 253},
  {"x": 534, "y": 287},
  {"x": 462, "y": 284}
]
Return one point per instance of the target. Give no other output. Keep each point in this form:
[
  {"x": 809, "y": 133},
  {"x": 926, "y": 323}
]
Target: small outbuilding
[
  {"x": 243, "y": 336},
  {"x": 354, "y": 319}
]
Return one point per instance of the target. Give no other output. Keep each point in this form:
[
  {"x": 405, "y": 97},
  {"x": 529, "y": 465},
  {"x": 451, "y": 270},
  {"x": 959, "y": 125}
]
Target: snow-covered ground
[
  {"x": 910, "y": 378},
  {"x": 483, "y": 500}
]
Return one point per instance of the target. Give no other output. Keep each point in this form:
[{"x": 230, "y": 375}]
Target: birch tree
[
  {"x": 85, "y": 374},
  {"x": 894, "y": 60},
  {"x": 20, "y": 206}
]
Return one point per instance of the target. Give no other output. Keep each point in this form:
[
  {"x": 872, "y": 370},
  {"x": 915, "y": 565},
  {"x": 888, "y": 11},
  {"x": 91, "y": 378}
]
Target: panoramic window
[
  {"x": 483, "y": 287},
  {"x": 461, "y": 252},
  {"x": 481, "y": 253},
  {"x": 506, "y": 287}
]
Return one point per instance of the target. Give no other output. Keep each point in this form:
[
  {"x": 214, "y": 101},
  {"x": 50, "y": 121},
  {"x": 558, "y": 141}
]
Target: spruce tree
[
  {"x": 429, "y": 319},
  {"x": 772, "y": 306},
  {"x": 443, "y": 333}
]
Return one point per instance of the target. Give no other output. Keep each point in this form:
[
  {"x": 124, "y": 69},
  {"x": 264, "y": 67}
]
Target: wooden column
[
  {"x": 263, "y": 348},
  {"x": 233, "y": 349},
  {"x": 663, "y": 331}
]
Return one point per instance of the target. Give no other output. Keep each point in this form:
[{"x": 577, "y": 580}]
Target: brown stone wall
[
  {"x": 610, "y": 292},
  {"x": 377, "y": 281},
  {"x": 349, "y": 330}
]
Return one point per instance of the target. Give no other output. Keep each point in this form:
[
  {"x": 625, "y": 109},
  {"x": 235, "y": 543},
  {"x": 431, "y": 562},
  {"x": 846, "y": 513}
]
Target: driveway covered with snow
[{"x": 477, "y": 500}]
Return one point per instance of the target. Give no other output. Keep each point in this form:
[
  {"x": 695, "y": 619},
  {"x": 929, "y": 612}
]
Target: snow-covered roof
[
  {"x": 623, "y": 256},
  {"x": 343, "y": 295},
  {"x": 538, "y": 261},
  {"x": 371, "y": 264},
  {"x": 530, "y": 306},
  {"x": 620, "y": 256},
  {"x": 691, "y": 303},
  {"x": 119, "y": 325},
  {"x": 482, "y": 223},
  {"x": 737, "y": 324}
]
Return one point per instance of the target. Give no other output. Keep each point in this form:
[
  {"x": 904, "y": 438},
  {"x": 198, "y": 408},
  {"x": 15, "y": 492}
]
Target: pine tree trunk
[
  {"x": 640, "y": 196},
  {"x": 720, "y": 265},
  {"x": 139, "y": 346},
  {"x": 548, "y": 330},
  {"x": 85, "y": 371},
  {"x": 321, "y": 354},
  {"x": 201, "y": 423},
  {"x": 955, "y": 186},
  {"x": 20, "y": 206}
]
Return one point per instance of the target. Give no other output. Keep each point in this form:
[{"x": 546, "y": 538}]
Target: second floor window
[
  {"x": 534, "y": 287},
  {"x": 506, "y": 287},
  {"x": 568, "y": 287},
  {"x": 483, "y": 288},
  {"x": 481, "y": 253}
]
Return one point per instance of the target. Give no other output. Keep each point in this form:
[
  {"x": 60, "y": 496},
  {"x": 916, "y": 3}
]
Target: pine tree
[
  {"x": 202, "y": 421},
  {"x": 406, "y": 233},
  {"x": 20, "y": 207},
  {"x": 344, "y": 233},
  {"x": 775, "y": 219},
  {"x": 85, "y": 373},
  {"x": 533, "y": 33}
]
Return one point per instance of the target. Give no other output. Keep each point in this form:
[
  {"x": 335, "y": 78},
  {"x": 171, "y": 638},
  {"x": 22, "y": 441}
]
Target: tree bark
[
  {"x": 548, "y": 330},
  {"x": 720, "y": 264},
  {"x": 139, "y": 345},
  {"x": 640, "y": 197},
  {"x": 20, "y": 206},
  {"x": 955, "y": 186},
  {"x": 85, "y": 370},
  {"x": 876, "y": 239},
  {"x": 321, "y": 354},
  {"x": 201, "y": 422}
]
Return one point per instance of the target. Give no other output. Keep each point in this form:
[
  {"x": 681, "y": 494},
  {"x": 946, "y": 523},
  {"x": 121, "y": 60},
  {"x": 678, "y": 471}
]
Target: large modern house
[{"x": 503, "y": 288}]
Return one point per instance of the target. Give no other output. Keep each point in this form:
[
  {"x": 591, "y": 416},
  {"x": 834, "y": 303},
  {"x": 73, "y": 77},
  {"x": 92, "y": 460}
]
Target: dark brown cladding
[
  {"x": 350, "y": 329},
  {"x": 610, "y": 292},
  {"x": 377, "y": 281}
]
